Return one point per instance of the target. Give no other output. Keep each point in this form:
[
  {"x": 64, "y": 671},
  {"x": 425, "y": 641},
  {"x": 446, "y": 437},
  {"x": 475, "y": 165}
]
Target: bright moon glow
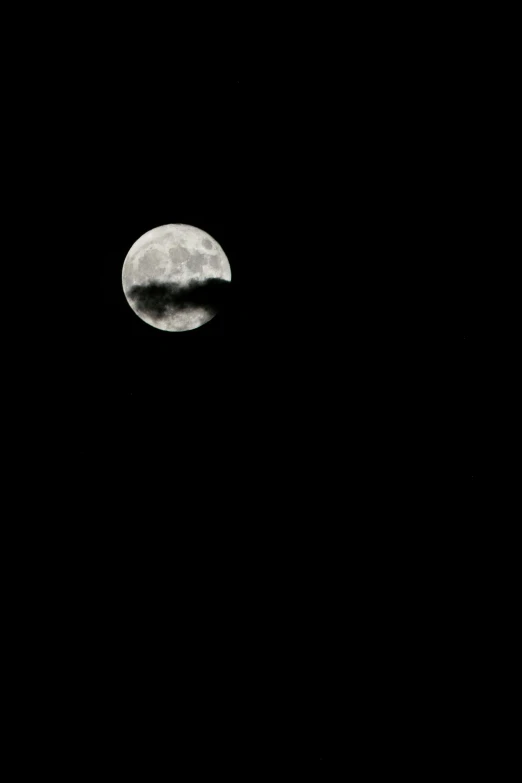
[{"x": 174, "y": 276}]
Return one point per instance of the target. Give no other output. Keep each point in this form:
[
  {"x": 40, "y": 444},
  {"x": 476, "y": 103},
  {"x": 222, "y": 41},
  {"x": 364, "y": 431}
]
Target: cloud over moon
[{"x": 160, "y": 299}]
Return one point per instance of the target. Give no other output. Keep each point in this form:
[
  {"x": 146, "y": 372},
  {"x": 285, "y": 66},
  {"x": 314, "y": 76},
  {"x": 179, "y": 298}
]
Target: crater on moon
[
  {"x": 151, "y": 260},
  {"x": 196, "y": 261},
  {"x": 179, "y": 255}
]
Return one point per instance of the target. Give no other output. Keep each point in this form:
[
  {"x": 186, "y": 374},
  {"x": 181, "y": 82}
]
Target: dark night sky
[
  {"x": 344, "y": 207},
  {"x": 288, "y": 448}
]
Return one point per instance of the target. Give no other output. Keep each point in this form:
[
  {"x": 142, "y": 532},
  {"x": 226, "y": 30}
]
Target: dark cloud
[{"x": 160, "y": 299}]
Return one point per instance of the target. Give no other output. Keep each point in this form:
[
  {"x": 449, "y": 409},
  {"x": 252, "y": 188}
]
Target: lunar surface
[{"x": 176, "y": 277}]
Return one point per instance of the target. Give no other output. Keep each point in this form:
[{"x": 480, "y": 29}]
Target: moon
[{"x": 175, "y": 277}]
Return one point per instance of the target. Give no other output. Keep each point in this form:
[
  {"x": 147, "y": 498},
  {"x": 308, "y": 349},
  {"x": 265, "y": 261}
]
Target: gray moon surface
[{"x": 174, "y": 277}]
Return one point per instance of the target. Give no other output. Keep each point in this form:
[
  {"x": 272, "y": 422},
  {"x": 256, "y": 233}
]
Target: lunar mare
[{"x": 175, "y": 277}]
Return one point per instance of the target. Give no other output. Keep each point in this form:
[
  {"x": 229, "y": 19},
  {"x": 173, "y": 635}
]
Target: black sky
[
  {"x": 344, "y": 201},
  {"x": 289, "y": 448}
]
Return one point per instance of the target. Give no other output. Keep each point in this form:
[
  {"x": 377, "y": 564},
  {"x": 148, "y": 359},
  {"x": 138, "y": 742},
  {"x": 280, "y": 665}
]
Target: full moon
[{"x": 175, "y": 277}]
